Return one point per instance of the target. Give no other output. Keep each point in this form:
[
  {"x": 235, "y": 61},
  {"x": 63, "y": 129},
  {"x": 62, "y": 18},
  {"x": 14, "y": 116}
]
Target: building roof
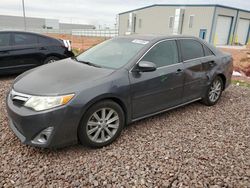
[{"x": 186, "y": 5}]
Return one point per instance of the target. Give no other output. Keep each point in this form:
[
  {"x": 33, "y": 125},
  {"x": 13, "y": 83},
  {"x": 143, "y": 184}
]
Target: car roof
[
  {"x": 26, "y": 32},
  {"x": 156, "y": 37}
]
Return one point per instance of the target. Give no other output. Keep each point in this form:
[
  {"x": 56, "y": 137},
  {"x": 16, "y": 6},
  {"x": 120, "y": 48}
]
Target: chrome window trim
[
  {"x": 150, "y": 49},
  {"x": 181, "y": 62}
]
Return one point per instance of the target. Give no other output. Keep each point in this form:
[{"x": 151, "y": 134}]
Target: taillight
[{"x": 67, "y": 44}]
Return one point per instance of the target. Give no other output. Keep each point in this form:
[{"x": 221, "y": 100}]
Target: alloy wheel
[
  {"x": 102, "y": 125},
  {"x": 215, "y": 91}
]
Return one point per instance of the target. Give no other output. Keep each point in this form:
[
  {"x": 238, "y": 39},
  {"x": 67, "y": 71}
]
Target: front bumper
[{"x": 27, "y": 124}]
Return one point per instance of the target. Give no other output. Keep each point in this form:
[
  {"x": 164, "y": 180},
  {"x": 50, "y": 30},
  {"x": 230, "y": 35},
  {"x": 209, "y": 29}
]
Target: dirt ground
[
  {"x": 192, "y": 146},
  {"x": 80, "y": 43},
  {"x": 241, "y": 59}
]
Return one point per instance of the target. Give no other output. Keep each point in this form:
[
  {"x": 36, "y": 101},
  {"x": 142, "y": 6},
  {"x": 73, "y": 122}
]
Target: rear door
[
  {"x": 25, "y": 50},
  {"x": 162, "y": 88},
  {"x": 5, "y": 49},
  {"x": 192, "y": 53}
]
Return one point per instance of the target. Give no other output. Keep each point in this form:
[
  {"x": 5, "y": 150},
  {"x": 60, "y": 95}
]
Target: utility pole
[{"x": 24, "y": 18}]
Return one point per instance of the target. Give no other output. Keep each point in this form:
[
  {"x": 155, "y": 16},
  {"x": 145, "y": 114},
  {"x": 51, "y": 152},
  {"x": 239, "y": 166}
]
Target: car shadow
[{"x": 78, "y": 147}]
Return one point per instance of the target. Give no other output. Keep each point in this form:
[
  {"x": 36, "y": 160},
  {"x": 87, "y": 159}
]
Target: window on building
[
  {"x": 4, "y": 39},
  {"x": 140, "y": 23},
  {"x": 163, "y": 54},
  {"x": 191, "y": 49},
  {"x": 24, "y": 39},
  {"x": 191, "y": 21},
  {"x": 128, "y": 23},
  {"x": 171, "y": 22}
]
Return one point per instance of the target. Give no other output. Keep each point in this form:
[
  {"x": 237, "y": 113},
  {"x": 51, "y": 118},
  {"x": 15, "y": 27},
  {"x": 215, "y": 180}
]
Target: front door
[{"x": 162, "y": 88}]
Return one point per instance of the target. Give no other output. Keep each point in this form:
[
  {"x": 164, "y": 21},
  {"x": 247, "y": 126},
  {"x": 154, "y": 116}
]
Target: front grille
[{"x": 19, "y": 98}]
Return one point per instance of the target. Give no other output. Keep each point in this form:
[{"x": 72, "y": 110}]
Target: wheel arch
[
  {"x": 115, "y": 99},
  {"x": 223, "y": 77}
]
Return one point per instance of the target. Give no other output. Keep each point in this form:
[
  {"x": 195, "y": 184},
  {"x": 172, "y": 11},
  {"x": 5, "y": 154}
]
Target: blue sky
[{"x": 97, "y": 12}]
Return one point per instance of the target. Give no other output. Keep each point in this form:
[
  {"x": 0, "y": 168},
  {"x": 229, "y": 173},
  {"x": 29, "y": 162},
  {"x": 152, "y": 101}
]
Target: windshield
[{"x": 113, "y": 53}]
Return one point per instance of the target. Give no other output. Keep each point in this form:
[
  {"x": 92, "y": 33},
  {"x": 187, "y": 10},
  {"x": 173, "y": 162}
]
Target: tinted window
[
  {"x": 164, "y": 53},
  {"x": 24, "y": 39},
  {"x": 44, "y": 40},
  {"x": 207, "y": 51},
  {"x": 4, "y": 39},
  {"x": 191, "y": 49}
]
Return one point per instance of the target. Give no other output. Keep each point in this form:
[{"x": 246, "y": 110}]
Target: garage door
[
  {"x": 242, "y": 30},
  {"x": 222, "y": 30}
]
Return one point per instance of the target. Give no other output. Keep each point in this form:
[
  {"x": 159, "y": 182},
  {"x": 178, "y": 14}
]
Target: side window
[
  {"x": 171, "y": 22},
  {"x": 24, "y": 39},
  {"x": 191, "y": 21},
  {"x": 44, "y": 40},
  {"x": 207, "y": 51},
  {"x": 4, "y": 39},
  {"x": 191, "y": 49},
  {"x": 164, "y": 53}
]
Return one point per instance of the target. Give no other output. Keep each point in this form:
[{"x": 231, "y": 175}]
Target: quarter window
[
  {"x": 207, "y": 51},
  {"x": 191, "y": 49},
  {"x": 24, "y": 39},
  {"x": 4, "y": 39},
  {"x": 163, "y": 54}
]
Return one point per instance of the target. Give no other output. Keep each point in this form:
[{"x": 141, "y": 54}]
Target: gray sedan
[{"x": 89, "y": 98}]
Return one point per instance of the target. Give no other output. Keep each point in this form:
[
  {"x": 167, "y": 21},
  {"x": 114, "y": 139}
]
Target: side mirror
[{"x": 146, "y": 66}]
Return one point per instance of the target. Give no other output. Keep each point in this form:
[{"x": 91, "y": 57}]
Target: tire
[
  {"x": 50, "y": 59},
  {"x": 91, "y": 123},
  {"x": 215, "y": 87}
]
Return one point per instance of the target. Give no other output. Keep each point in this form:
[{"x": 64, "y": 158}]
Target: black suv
[{"x": 20, "y": 51}]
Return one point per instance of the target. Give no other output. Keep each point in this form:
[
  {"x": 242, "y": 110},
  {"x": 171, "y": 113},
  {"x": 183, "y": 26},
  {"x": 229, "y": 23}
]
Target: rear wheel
[
  {"x": 214, "y": 92},
  {"x": 101, "y": 124},
  {"x": 50, "y": 59}
]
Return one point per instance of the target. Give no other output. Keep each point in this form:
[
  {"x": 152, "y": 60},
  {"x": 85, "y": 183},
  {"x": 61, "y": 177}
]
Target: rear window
[
  {"x": 24, "y": 39},
  {"x": 4, "y": 39},
  {"x": 191, "y": 49}
]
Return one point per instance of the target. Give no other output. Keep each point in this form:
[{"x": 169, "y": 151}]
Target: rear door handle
[
  {"x": 179, "y": 71},
  {"x": 211, "y": 63}
]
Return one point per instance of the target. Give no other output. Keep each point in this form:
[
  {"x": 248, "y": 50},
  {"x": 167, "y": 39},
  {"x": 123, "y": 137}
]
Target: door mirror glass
[{"x": 146, "y": 66}]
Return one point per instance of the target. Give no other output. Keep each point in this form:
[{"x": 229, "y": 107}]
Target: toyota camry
[{"x": 91, "y": 97}]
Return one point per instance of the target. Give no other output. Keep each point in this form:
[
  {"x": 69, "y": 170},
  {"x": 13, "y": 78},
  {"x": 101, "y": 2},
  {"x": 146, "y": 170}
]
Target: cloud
[{"x": 97, "y": 12}]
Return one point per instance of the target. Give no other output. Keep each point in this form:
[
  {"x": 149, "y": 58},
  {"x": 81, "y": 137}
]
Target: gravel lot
[{"x": 193, "y": 146}]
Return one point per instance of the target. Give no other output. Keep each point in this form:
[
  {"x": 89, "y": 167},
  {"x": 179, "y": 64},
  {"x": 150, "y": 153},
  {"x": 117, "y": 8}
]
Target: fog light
[{"x": 43, "y": 136}]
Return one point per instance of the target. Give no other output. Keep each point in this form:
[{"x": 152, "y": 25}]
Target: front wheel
[
  {"x": 214, "y": 92},
  {"x": 101, "y": 124}
]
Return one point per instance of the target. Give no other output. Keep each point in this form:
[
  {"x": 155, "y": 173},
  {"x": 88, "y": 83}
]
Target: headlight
[{"x": 39, "y": 103}]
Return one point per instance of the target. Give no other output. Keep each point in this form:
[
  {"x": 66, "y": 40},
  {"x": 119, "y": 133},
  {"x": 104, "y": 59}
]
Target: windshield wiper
[{"x": 87, "y": 63}]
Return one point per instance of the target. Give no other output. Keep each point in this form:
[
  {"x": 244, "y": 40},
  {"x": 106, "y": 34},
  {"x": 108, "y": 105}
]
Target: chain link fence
[{"x": 109, "y": 33}]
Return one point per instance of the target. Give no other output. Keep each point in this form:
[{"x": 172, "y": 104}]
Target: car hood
[{"x": 60, "y": 77}]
